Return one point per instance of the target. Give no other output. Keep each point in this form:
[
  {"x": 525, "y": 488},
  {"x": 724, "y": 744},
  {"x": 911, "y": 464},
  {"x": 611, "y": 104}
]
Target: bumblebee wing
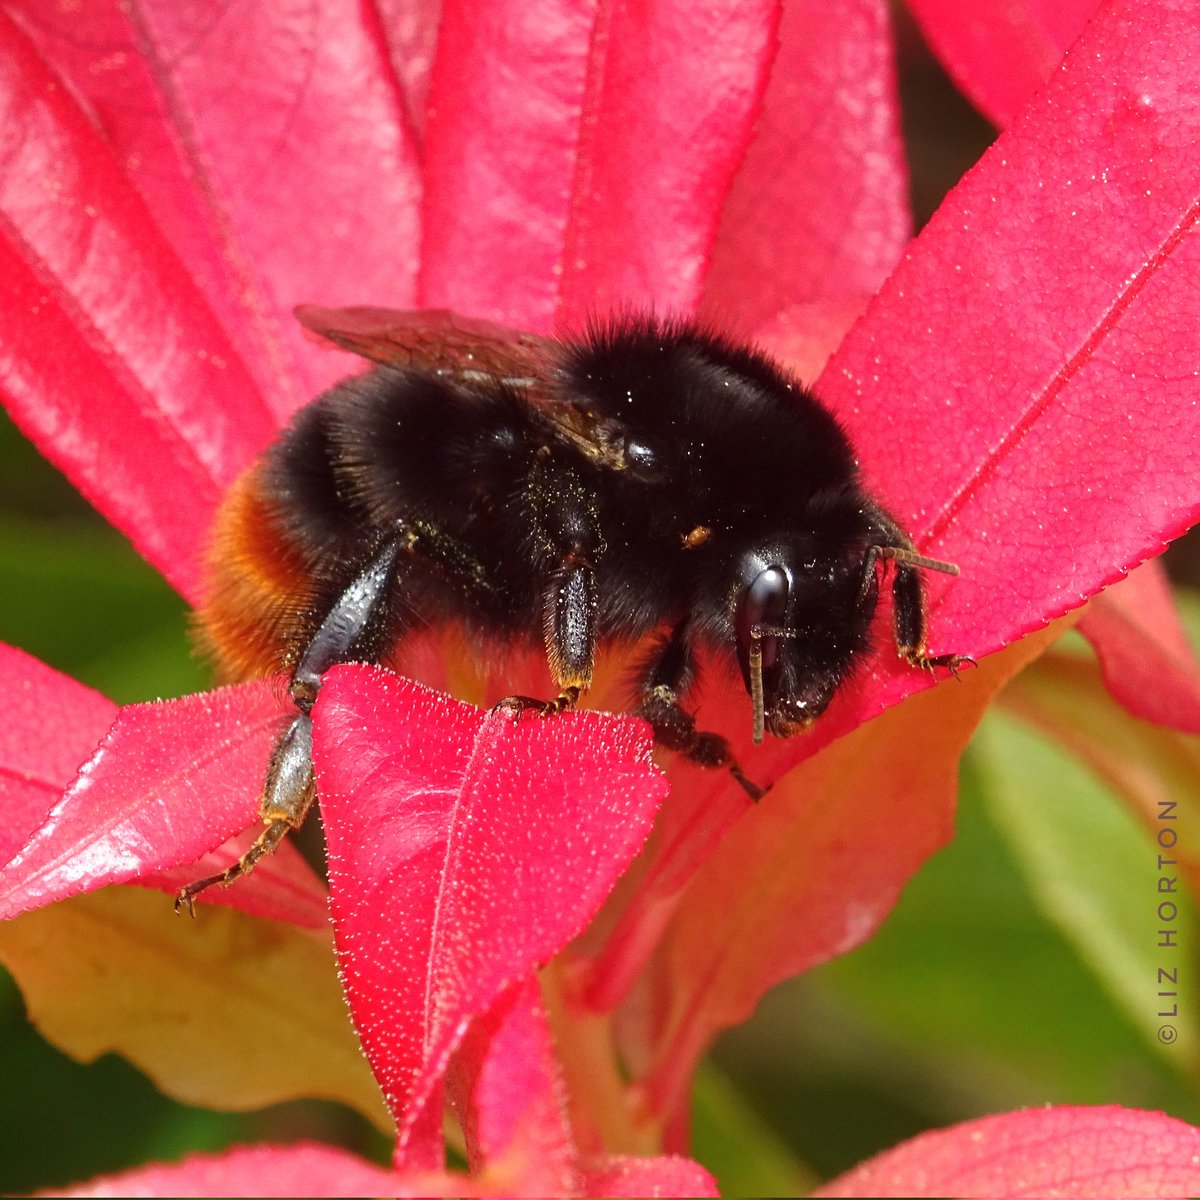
[
  {"x": 471, "y": 348},
  {"x": 436, "y": 340}
]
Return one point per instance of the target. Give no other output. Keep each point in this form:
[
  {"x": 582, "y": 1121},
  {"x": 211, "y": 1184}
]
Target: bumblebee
[{"x": 650, "y": 478}]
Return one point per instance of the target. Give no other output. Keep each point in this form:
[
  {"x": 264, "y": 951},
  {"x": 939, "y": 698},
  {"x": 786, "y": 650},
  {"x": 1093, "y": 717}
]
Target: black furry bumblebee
[{"x": 652, "y": 477}]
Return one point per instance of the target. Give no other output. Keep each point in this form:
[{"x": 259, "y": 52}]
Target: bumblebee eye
[
  {"x": 641, "y": 458},
  {"x": 760, "y": 617}
]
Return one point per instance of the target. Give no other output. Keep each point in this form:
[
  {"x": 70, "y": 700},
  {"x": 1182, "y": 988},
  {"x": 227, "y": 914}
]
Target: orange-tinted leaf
[
  {"x": 1155, "y": 770},
  {"x": 812, "y": 870},
  {"x": 227, "y": 1011}
]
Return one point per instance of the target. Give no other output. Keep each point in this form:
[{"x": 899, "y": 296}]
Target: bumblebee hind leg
[
  {"x": 287, "y": 796},
  {"x": 350, "y": 629}
]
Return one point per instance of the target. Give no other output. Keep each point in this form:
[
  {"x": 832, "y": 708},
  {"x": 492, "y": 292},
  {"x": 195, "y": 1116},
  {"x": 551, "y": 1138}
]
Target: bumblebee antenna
[
  {"x": 912, "y": 559},
  {"x": 756, "y": 685},
  {"x": 755, "y": 664}
]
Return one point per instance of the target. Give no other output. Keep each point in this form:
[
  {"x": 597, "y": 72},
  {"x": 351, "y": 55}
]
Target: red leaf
[
  {"x": 1000, "y": 53},
  {"x": 1144, "y": 654},
  {"x": 542, "y": 125},
  {"x": 999, "y": 387},
  {"x": 239, "y": 133},
  {"x": 135, "y": 418},
  {"x": 1105, "y": 1151},
  {"x": 496, "y": 840},
  {"x": 51, "y": 724},
  {"x": 674, "y": 89},
  {"x": 170, "y": 782},
  {"x": 301, "y": 1169},
  {"x": 507, "y": 1089},
  {"x": 819, "y": 205},
  {"x": 411, "y": 30},
  {"x": 293, "y": 122}
]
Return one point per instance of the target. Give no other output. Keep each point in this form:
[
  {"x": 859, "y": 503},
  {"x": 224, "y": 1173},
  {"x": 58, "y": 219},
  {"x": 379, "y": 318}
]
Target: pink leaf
[
  {"x": 663, "y": 1175},
  {"x": 497, "y": 840},
  {"x": 999, "y": 387},
  {"x": 1106, "y": 1151},
  {"x": 170, "y": 782},
  {"x": 541, "y": 127},
  {"x": 1000, "y": 53},
  {"x": 674, "y": 87},
  {"x": 505, "y": 101},
  {"x": 1144, "y": 654},
  {"x": 301, "y": 1169},
  {"x": 411, "y": 29},
  {"x": 508, "y": 1091},
  {"x": 51, "y": 724},
  {"x": 819, "y": 205}
]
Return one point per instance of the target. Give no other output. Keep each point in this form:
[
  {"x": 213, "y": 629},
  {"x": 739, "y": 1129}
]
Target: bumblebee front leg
[
  {"x": 908, "y": 595},
  {"x": 666, "y": 676},
  {"x": 350, "y": 629}
]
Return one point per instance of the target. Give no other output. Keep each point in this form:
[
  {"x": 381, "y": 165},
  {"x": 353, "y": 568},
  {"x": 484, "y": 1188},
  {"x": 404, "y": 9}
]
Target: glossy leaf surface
[
  {"x": 86, "y": 369},
  {"x": 51, "y": 724},
  {"x": 238, "y": 198}
]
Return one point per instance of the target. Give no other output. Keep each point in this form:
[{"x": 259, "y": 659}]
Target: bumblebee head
[
  {"x": 802, "y": 618},
  {"x": 767, "y": 650}
]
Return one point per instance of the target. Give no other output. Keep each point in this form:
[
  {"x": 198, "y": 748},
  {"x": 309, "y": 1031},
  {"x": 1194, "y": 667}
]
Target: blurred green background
[{"x": 984, "y": 992}]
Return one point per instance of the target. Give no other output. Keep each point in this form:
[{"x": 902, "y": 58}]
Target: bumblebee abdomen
[
  {"x": 252, "y": 620},
  {"x": 392, "y": 455}
]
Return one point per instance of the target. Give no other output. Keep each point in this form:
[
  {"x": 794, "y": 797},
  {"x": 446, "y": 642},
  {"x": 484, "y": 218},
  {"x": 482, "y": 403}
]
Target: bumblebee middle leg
[
  {"x": 908, "y": 594},
  {"x": 567, "y": 545},
  {"x": 666, "y": 676}
]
